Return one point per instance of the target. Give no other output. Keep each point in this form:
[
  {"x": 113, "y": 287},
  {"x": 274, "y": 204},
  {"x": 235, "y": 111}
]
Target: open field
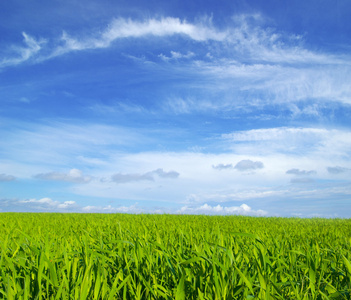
[{"x": 116, "y": 256}]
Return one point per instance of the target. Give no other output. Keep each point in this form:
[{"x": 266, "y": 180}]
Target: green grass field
[{"x": 117, "y": 256}]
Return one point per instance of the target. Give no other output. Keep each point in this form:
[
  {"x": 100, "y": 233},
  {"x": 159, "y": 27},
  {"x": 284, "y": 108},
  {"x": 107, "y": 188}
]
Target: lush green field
[{"x": 96, "y": 256}]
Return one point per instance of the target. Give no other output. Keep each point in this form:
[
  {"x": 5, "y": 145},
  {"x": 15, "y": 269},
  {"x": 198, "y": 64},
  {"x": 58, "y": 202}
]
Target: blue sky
[{"x": 199, "y": 107}]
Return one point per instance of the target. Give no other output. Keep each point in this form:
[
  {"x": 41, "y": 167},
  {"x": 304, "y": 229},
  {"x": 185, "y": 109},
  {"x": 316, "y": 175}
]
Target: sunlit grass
[{"x": 119, "y": 256}]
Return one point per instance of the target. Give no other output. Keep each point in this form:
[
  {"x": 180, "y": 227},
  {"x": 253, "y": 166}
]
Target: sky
[{"x": 179, "y": 107}]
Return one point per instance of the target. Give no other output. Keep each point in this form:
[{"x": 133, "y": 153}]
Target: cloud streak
[
  {"x": 337, "y": 170},
  {"x": 299, "y": 172},
  {"x": 31, "y": 48},
  {"x": 148, "y": 176},
  {"x": 37, "y": 205},
  {"x": 5, "y": 177},
  {"x": 73, "y": 176},
  {"x": 321, "y": 141},
  {"x": 223, "y": 167},
  {"x": 121, "y": 28}
]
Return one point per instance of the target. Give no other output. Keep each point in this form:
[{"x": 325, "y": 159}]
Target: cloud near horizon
[
  {"x": 243, "y": 209},
  {"x": 37, "y": 205}
]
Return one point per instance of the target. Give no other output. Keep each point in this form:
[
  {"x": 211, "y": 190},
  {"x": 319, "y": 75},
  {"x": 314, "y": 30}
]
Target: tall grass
[{"x": 102, "y": 256}]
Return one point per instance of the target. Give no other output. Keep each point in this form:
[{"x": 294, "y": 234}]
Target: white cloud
[
  {"x": 320, "y": 141},
  {"x": 176, "y": 55},
  {"x": 262, "y": 43},
  {"x": 110, "y": 209},
  {"x": 74, "y": 176},
  {"x": 249, "y": 58},
  {"x": 316, "y": 149},
  {"x": 279, "y": 83},
  {"x": 222, "y": 210},
  {"x": 37, "y": 205},
  {"x": 22, "y": 54},
  {"x": 66, "y": 204},
  {"x": 275, "y": 134},
  {"x": 121, "y": 28},
  {"x": 238, "y": 194}
]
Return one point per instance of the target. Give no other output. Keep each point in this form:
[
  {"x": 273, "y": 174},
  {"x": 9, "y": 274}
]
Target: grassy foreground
[{"x": 102, "y": 256}]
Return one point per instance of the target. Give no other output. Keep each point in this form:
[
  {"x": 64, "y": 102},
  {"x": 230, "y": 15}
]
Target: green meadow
[{"x": 121, "y": 256}]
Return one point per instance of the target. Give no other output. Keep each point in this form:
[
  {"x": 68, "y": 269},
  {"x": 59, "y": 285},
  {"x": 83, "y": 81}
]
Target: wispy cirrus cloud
[
  {"x": 247, "y": 36},
  {"x": 174, "y": 55},
  {"x": 325, "y": 142},
  {"x": 250, "y": 61},
  {"x": 119, "y": 28},
  {"x": 23, "y": 53}
]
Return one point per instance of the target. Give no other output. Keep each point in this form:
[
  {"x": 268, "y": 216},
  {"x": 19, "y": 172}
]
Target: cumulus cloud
[
  {"x": 149, "y": 176},
  {"x": 243, "y": 209},
  {"x": 74, "y": 176},
  {"x": 37, "y": 205},
  {"x": 337, "y": 170},
  {"x": 248, "y": 165},
  {"x": 299, "y": 172},
  {"x": 5, "y": 177}
]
